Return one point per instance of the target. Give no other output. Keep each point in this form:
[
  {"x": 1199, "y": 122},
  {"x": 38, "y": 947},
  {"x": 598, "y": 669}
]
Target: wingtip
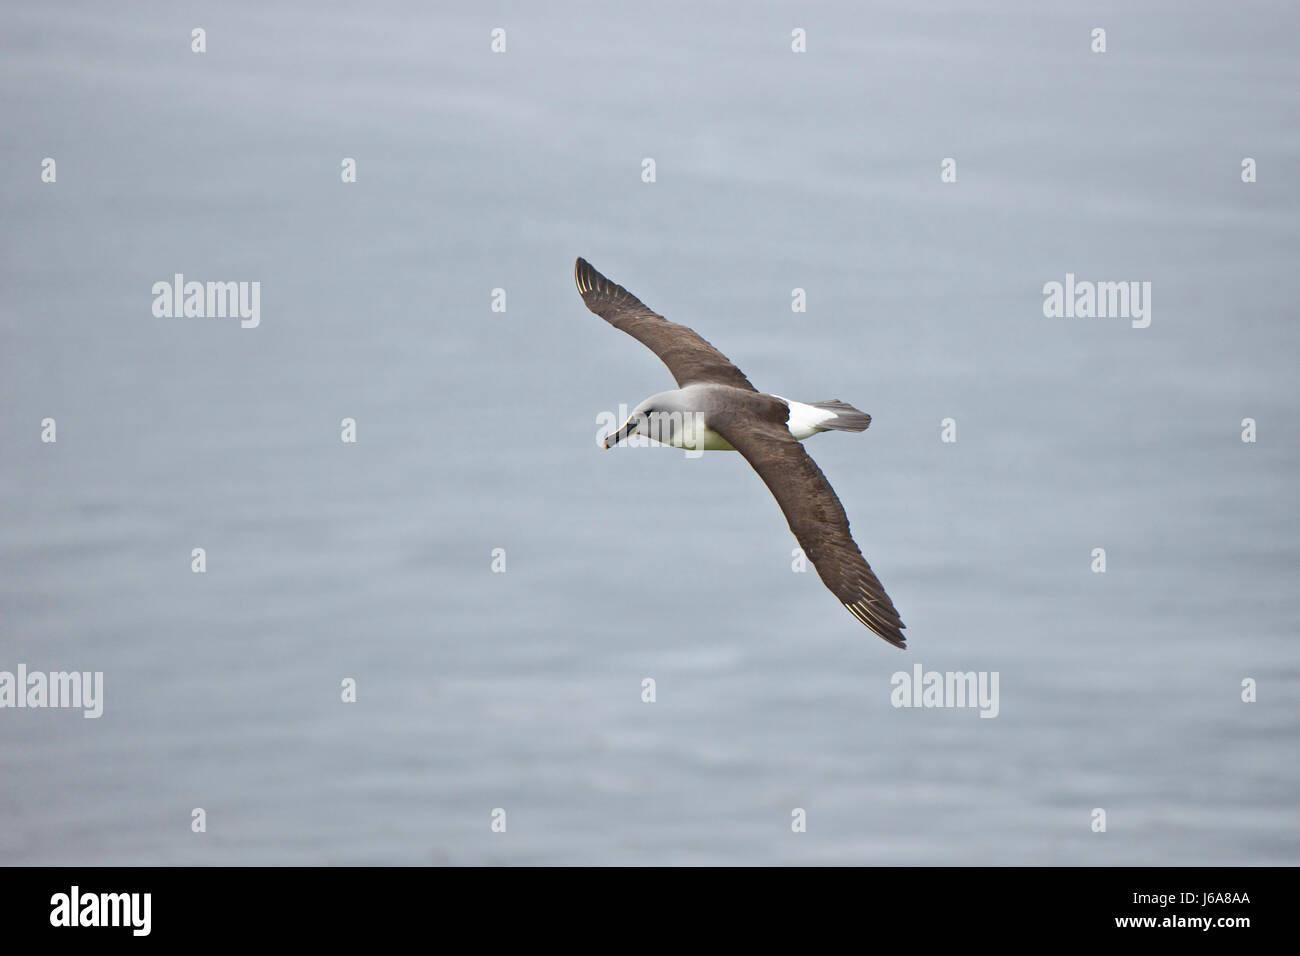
[
  {"x": 896, "y": 637},
  {"x": 584, "y": 275},
  {"x": 892, "y": 634}
]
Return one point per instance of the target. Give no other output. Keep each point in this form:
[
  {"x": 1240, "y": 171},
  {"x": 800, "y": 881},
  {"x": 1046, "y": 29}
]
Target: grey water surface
[{"x": 522, "y": 690}]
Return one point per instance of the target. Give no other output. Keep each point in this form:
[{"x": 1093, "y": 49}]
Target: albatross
[{"x": 715, "y": 408}]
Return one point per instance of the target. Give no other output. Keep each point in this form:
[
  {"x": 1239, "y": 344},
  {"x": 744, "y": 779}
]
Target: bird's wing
[
  {"x": 757, "y": 430},
  {"x": 691, "y": 359}
]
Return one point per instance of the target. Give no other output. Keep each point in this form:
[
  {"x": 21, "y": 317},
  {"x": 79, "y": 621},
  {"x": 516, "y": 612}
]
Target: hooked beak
[{"x": 613, "y": 438}]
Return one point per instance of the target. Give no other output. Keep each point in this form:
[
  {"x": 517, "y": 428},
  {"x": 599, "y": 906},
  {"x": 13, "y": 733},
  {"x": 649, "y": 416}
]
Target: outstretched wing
[
  {"x": 691, "y": 359},
  {"x": 811, "y": 507}
]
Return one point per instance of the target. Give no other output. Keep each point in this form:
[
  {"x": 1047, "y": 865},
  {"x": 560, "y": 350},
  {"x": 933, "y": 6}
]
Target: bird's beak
[{"x": 613, "y": 438}]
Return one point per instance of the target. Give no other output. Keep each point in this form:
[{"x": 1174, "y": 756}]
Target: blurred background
[{"x": 476, "y": 430}]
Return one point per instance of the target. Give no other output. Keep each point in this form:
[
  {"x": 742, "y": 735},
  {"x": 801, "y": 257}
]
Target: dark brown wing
[
  {"x": 691, "y": 359},
  {"x": 811, "y": 506}
]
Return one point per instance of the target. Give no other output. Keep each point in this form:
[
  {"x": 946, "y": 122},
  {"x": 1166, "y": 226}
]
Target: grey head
[{"x": 675, "y": 417}]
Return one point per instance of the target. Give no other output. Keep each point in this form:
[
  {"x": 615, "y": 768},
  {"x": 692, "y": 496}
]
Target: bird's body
[
  {"x": 715, "y": 408},
  {"x": 676, "y": 411}
]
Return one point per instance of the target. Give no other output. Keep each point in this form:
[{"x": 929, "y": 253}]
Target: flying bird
[{"x": 715, "y": 407}]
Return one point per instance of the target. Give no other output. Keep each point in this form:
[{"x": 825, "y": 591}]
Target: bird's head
[{"x": 639, "y": 419}]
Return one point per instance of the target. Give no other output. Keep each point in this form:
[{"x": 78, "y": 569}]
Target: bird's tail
[{"x": 847, "y": 418}]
